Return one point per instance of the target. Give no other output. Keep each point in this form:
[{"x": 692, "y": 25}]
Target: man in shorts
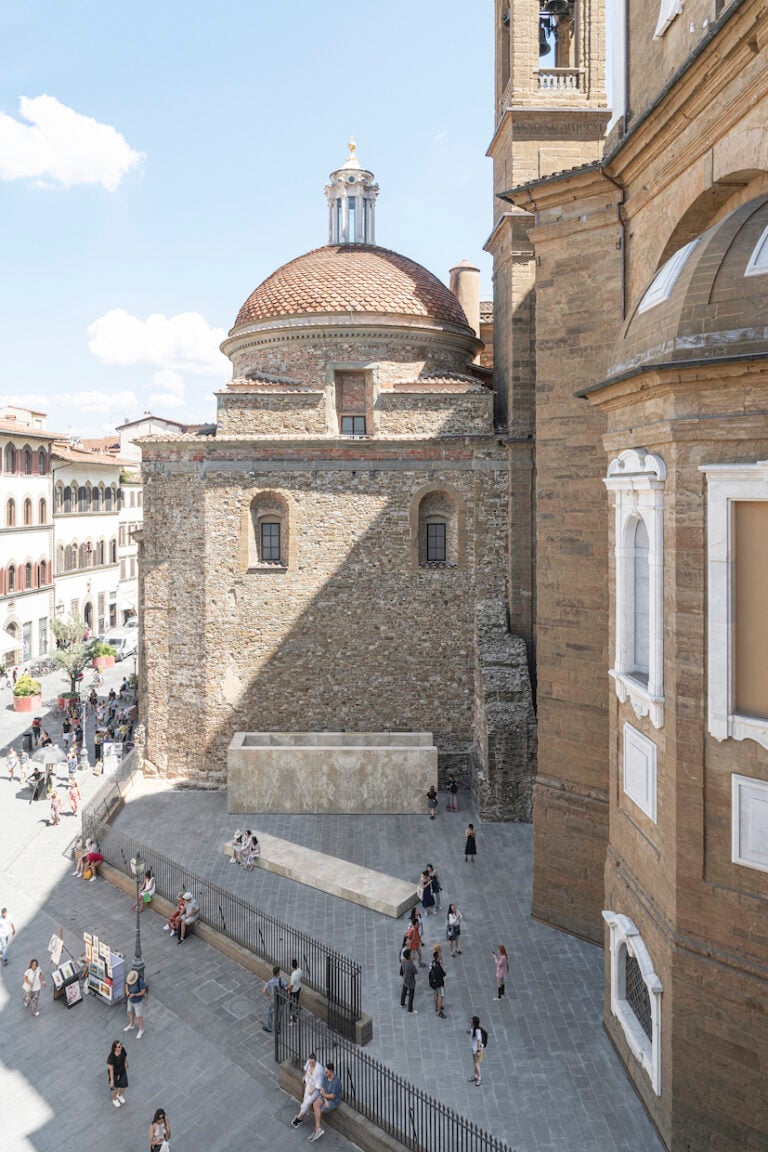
[
  {"x": 190, "y": 917},
  {"x": 328, "y": 1100},
  {"x": 135, "y": 991}
]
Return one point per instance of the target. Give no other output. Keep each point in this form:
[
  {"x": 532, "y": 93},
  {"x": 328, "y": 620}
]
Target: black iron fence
[
  {"x": 333, "y": 976},
  {"x": 107, "y": 800},
  {"x": 405, "y": 1112}
]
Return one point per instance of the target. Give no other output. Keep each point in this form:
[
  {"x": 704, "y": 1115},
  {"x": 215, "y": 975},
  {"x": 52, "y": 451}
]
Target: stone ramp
[{"x": 365, "y": 886}]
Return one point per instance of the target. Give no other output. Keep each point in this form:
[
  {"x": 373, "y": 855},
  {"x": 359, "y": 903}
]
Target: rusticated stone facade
[{"x": 384, "y": 534}]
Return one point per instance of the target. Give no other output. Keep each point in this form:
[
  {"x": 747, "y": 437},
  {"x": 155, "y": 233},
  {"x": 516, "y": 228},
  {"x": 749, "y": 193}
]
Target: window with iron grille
[
  {"x": 270, "y": 542},
  {"x": 353, "y": 425},
  {"x": 436, "y": 543},
  {"x": 636, "y": 994}
]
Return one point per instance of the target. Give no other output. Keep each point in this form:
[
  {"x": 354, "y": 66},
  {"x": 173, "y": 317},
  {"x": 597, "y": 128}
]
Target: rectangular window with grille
[
  {"x": 436, "y": 540},
  {"x": 637, "y": 996},
  {"x": 270, "y": 542},
  {"x": 353, "y": 425}
]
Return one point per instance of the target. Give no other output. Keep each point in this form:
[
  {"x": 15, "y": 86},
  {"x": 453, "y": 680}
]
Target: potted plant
[
  {"x": 27, "y": 694},
  {"x": 103, "y": 655}
]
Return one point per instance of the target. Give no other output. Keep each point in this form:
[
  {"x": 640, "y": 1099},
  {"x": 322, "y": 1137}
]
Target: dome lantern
[{"x": 351, "y": 196}]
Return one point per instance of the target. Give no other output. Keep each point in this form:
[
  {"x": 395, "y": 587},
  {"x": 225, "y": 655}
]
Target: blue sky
[{"x": 180, "y": 157}]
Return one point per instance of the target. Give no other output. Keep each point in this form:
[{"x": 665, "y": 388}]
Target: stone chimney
[{"x": 465, "y": 285}]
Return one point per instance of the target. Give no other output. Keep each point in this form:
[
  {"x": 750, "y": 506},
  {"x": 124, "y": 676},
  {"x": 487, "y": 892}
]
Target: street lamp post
[{"x": 138, "y": 867}]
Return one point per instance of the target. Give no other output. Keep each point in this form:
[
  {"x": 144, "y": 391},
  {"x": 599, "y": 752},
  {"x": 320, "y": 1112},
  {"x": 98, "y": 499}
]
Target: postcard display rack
[
  {"x": 65, "y": 977},
  {"x": 106, "y": 970}
]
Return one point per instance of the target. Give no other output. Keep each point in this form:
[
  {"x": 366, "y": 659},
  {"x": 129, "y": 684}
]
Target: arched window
[
  {"x": 42, "y": 462},
  {"x": 27, "y": 462},
  {"x": 113, "y": 551},
  {"x": 100, "y": 550},
  {"x": 107, "y": 499},
  {"x": 27, "y": 512},
  {"x": 61, "y": 559},
  {"x": 437, "y": 530},
  {"x": 268, "y": 531},
  {"x": 10, "y": 458},
  {"x": 82, "y": 499},
  {"x": 72, "y": 558},
  {"x": 11, "y": 577},
  {"x": 27, "y": 575},
  {"x": 58, "y": 499},
  {"x": 10, "y": 513},
  {"x": 96, "y": 495},
  {"x": 68, "y": 498},
  {"x": 41, "y": 574},
  {"x": 42, "y": 510}
]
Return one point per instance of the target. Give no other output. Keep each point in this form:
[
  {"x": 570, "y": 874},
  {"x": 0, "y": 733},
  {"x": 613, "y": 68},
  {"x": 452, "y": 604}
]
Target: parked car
[{"x": 125, "y": 641}]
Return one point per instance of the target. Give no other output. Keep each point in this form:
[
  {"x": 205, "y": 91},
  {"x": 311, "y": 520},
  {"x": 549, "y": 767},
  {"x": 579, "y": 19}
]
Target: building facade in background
[
  {"x": 331, "y": 555},
  {"x": 631, "y": 285}
]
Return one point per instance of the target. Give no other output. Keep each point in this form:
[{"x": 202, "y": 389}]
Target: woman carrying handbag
[{"x": 160, "y": 1132}]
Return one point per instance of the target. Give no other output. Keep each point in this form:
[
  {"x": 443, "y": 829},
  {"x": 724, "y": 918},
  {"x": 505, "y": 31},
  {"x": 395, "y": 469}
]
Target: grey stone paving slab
[
  {"x": 552, "y": 1082},
  {"x": 212, "y": 1070}
]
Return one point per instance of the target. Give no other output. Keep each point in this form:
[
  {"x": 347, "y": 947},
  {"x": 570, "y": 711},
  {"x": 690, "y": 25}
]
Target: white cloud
[
  {"x": 63, "y": 146},
  {"x": 94, "y": 401},
  {"x": 184, "y": 342},
  {"x": 173, "y": 396},
  {"x": 440, "y": 136}
]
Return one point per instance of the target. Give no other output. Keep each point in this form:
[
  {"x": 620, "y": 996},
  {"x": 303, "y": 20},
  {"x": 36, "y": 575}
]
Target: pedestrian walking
[
  {"x": 502, "y": 970},
  {"x": 414, "y": 936},
  {"x": 159, "y": 1131},
  {"x": 55, "y": 808},
  {"x": 66, "y": 732},
  {"x": 7, "y": 930},
  {"x": 453, "y": 794},
  {"x": 408, "y": 973},
  {"x": 470, "y": 844},
  {"x": 478, "y": 1038},
  {"x": 437, "y": 982},
  {"x": 74, "y": 796},
  {"x": 294, "y": 990},
  {"x": 427, "y": 896},
  {"x": 135, "y": 993},
  {"x": 313, "y": 1082},
  {"x": 270, "y": 990},
  {"x": 453, "y": 930},
  {"x": 33, "y": 982},
  {"x": 432, "y": 802},
  {"x": 24, "y": 766},
  {"x": 11, "y": 762},
  {"x": 436, "y": 885},
  {"x": 117, "y": 1072}
]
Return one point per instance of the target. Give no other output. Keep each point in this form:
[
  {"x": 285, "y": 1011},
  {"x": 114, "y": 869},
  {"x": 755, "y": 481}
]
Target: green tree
[{"x": 74, "y": 656}]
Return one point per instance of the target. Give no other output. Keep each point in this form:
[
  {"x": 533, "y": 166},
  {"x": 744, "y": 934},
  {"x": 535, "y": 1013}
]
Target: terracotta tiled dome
[{"x": 351, "y": 278}]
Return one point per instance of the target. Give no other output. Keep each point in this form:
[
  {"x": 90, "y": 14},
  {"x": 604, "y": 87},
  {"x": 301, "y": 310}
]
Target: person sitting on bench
[
  {"x": 190, "y": 917},
  {"x": 328, "y": 1100}
]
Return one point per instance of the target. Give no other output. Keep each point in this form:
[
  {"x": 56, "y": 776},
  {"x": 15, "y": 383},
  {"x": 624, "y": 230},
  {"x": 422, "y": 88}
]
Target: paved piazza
[{"x": 551, "y": 1081}]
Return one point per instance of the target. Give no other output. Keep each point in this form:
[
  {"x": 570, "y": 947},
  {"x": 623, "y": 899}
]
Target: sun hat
[
  {"x": 132, "y": 977},
  {"x": 188, "y": 896}
]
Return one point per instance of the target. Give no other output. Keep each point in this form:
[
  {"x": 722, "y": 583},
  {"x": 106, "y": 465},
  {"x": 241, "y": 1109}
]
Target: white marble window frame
[
  {"x": 757, "y": 265},
  {"x": 746, "y": 789},
  {"x": 636, "y": 479},
  {"x": 625, "y": 938},
  {"x": 727, "y": 484},
  {"x": 636, "y": 742}
]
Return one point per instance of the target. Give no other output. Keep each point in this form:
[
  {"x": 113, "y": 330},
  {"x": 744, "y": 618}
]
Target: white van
[{"x": 125, "y": 641}]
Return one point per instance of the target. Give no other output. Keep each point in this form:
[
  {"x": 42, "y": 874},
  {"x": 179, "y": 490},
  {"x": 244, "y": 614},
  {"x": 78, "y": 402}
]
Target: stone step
[{"x": 365, "y": 886}]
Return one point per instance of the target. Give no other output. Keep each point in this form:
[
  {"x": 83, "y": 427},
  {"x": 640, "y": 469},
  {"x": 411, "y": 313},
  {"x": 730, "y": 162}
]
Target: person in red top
[{"x": 413, "y": 937}]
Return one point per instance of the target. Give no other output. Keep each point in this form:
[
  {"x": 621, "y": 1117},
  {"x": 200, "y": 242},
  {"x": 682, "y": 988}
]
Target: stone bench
[{"x": 364, "y": 886}]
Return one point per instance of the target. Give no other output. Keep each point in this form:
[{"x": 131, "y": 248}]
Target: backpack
[
  {"x": 433, "y": 978},
  {"x": 484, "y": 1037}
]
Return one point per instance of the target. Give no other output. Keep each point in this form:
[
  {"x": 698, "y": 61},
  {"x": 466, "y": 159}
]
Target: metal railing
[
  {"x": 103, "y": 805},
  {"x": 333, "y": 976},
  {"x": 386, "y": 1099}
]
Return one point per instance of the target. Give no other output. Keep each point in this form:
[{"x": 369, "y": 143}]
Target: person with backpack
[
  {"x": 270, "y": 990},
  {"x": 436, "y": 978},
  {"x": 479, "y": 1039}
]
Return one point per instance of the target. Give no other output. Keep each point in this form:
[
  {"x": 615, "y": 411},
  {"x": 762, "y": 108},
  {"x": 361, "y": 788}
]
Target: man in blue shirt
[
  {"x": 329, "y": 1098},
  {"x": 269, "y": 990}
]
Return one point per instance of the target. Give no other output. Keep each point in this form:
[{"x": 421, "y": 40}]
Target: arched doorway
[
  {"x": 88, "y": 615},
  {"x": 11, "y": 654}
]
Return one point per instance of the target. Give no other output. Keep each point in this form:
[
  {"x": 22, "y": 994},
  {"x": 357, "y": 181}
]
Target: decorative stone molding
[
  {"x": 639, "y": 770},
  {"x": 749, "y": 822},
  {"x": 726, "y": 485},
  {"x": 637, "y": 480},
  {"x": 625, "y": 940}
]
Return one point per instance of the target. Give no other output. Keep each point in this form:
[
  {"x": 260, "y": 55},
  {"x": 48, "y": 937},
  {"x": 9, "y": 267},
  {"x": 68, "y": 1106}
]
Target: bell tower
[
  {"x": 351, "y": 196},
  {"x": 550, "y": 115}
]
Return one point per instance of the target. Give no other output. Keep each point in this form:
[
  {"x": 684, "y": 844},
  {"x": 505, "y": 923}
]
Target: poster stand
[
  {"x": 106, "y": 970},
  {"x": 65, "y": 976}
]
